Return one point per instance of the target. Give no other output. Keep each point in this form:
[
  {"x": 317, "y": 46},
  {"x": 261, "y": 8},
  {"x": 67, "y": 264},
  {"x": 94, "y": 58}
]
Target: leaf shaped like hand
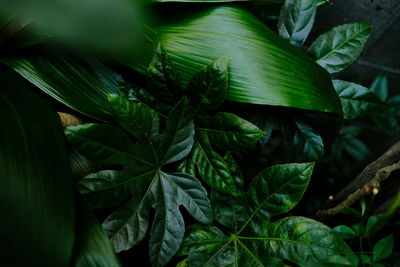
[
  {"x": 275, "y": 190},
  {"x": 228, "y": 131},
  {"x": 296, "y": 20},
  {"x": 357, "y": 101},
  {"x": 141, "y": 178},
  {"x": 339, "y": 47},
  {"x": 208, "y": 88}
]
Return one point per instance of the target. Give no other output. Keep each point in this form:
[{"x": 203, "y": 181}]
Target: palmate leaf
[
  {"x": 141, "y": 180},
  {"x": 341, "y": 46},
  {"x": 82, "y": 83},
  {"x": 296, "y": 20},
  {"x": 263, "y": 68},
  {"x": 254, "y": 240},
  {"x": 36, "y": 188},
  {"x": 357, "y": 101}
]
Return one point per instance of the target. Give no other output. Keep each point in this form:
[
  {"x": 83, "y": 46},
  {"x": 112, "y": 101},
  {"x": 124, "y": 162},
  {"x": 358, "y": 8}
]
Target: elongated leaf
[
  {"x": 212, "y": 167},
  {"x": 341, "y": 46},
  {"x": 208, "y": 88},
  {"x": 78, "y": 82},
  {"x": 36, "y": 191},
  {"x": 93, "y": 246},
  {"x": 357, "y": 101},
  {"x": 383, "y": 248},
  {"x": 228, "y": 131},
  {"x": 277, "y": 189},
  {"x": 380, "y": 87},
  {"x": 141, "y": 156},
  {"x": 296, "y": 20},
  {"x": 306, "y": 140},
  {"x": 263, "y": 68}
]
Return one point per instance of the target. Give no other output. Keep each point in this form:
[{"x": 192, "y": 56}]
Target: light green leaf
[
  {"x": 344, "y": 231},
  {"x": 357, "y": 101},
  {"x": 263, "y": 68},
  {"x": 383, "y": 248},
  {"x": 208, "y": 88},
  {"x": 380, "y": 87},
  {"x": 211, "y": 167},
  {"x": 37, "y": 196},
  {"x": 82, "y": 83},
  {"x": 228, "y": 131},
  {"x": 339, "y": 47},
  {"x": 296, "y": 20}
]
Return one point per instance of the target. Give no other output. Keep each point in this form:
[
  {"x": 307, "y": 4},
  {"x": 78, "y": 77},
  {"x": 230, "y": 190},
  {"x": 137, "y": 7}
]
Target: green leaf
[
  {"x": 140, "y": 176},
  {"x": 82, "y": 83},
  {"x": 296, "y": 20},
  {"x": 339, "y": 47},
  {"x": 357, "y": 101},
  {"x": 383, "y": 248},
  {"x": 380, "y": 87},
  {"x": 306, "y": 140},
  {"x": 263, "y": 68},
  {"x": 278, "y": 189},
  {"x": 375, "y": 223},
  {"x": 344, "y": 231},
  {"x": 162, "y": 78},
  {"x": 93, "y": 248},
  {"x": 37, "y": 196},
  {"x": 208, "y": 88},
  {"x": 211, "y": 167},
  {"x": 302, "y": 241},
  {"x": 357, "y": 149},
  {"x": 228, "y": 131},
  {"x": 365, "y": 259}
]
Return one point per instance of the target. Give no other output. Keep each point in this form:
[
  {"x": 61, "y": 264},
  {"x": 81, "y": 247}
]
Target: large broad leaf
[
  {"x": 93, "y": 248},
  {"x": 79, "y": 82},
  {"x": 339, "y": 47},
  {"x": 253, "y": 241},
  {"x": 36, "y": 190},
  {"x": 140, "y": 177},
  {"x": 296, "y": 20},
  {"x": 357, "y": 101},
  {"x": 263, "y": 68}
]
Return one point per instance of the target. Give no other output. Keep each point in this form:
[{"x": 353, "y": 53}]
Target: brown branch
[
  {"x": 370, "y": 187},
  {"x": 68, "y": 119}
]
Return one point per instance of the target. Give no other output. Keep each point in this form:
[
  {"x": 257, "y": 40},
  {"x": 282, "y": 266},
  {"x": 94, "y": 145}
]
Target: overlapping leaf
[
  {"x": 357, "y": 101},
  {"x": 296, "y": 20},
  {"x": 81, "y": 83},
  {"x": 141, "y": 178},
  {"x": 341, "y": 46},
  {"x": 254, "y": 241},
  {"x": 263, "y": 68},
  {"x": 36, "y": 190}
]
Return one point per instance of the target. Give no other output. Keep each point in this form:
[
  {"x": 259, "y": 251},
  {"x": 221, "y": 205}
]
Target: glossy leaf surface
[
  {"x": 339, "y": 47},
  {"x": 141, "y": 178},
  {"x": 296, "y": 20},
  {"x": 78, "y": 82},
  {"x": 357, "y": 101},
  {"x": 228, "y": 131},
  {"x": 263, "y": 68},
  {"x": 36, "y": 190}
]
